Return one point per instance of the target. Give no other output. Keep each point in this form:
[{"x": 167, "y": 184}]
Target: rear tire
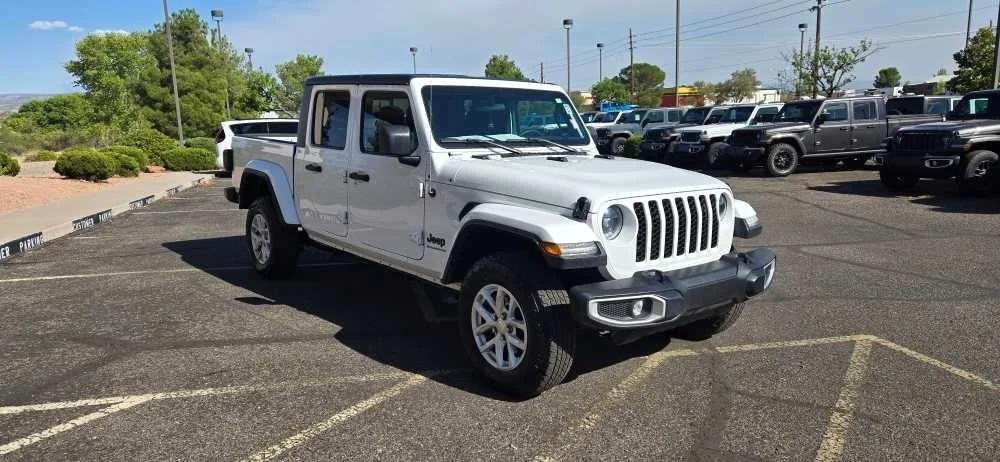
[
  {"x": 977, "y": 173},
  {"x": 703, "y": 329},
  {"x": 272, "y": 245},
  {"x": 542, "y": 323},
  {"x": 782, "y": 159},
  {"x": 895, "y": 181}
]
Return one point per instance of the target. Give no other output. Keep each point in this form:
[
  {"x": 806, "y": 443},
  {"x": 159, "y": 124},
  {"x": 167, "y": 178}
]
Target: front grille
[
  {"x": 603, "y": 132},
  {"x": 619, "y": 310},
  {"x": 927, "y": 142},
  {"x": 691, "y": 137},
  {"x": 676, "y": 227},
  {"x": 745, "y": 137},
  {"x": 653, "y": 135}
]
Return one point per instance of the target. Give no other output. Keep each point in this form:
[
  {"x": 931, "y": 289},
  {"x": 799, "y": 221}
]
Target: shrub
[
  {"x": 9, "y": 165},
  {"x": 124, "y": 165},
  {"x": 189, "y": 159},
  {"x": 41, "y": 156},
  {"x": 632, "y": 146},
  {"x": 152, "y": 142},
  {"x": 135, "y": 153},
  {"x": 201, "y": 142},
  {"x": 86, "y": 164}
]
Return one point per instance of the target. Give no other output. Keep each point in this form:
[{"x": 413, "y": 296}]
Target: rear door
[
  {"x": 321, "y": 166},
  {"x": 867, "y": 126},
  {"x": 387, "y": 203},
  {"x": 834, "y": 134}
]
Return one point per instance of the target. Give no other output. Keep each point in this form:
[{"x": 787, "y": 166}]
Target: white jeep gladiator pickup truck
[
  {"x": 702, "y": 145},
  {"x": 438, "y": 177}
]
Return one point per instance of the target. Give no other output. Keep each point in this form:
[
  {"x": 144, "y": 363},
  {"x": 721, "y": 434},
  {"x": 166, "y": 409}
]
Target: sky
[{"x": 458, "y": 36}]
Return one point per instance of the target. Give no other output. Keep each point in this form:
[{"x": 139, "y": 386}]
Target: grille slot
[
  {"x": 676, "y": 226},
  {"x": 653, "y": 135},
  {"x": 640, "y": 238},
  {"x": 715, "y": 222},
  {"x": 655, "y": 237},
  {"x": 691, "y": 137},
  {"x": 670, "y": 233},
  {"x": 705, "y": 219},
  {"x": 695, "y": 216},
  {"x": 619, "y": 310},
  {"x": 921, "y": 141},
  {"x": 682, "y": 223}
]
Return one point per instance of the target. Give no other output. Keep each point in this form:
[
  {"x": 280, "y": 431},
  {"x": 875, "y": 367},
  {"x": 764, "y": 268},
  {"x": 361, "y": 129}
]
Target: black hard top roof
[{"x": 381, "y": 79}]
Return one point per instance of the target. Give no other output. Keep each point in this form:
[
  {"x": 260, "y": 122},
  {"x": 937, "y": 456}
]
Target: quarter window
[
  {"x": 379, "y": 110},
  {"x": 865, "y": 110},
  {"x": 330, "y": 120}
]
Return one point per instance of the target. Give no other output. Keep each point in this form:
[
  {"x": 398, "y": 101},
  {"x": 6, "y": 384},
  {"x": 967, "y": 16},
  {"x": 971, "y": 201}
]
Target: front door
[
  {"x": 321, "y": 165},
  {"x": 868, "y": 128},
  {"x": 387, "y": 204},
  {"x": 834, "y": 134}
]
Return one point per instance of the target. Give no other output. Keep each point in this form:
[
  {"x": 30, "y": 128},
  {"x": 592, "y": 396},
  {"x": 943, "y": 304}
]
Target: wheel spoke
[
  {"x": 485, "y": 327},
  {"x": 517, "y": 324},
  {"x": 498, "y": 349},
  {"x": 511, "y": 356},
  {"x": 485, "y": 314},
  {"x": 513, "y": 340},
  {"x": 487, "y": 345}
]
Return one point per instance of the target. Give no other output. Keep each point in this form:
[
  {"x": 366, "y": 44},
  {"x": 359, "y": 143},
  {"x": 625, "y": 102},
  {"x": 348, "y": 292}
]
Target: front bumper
[
  {"x": 673, "y": 298},
  {"x": 744, "y": 154},
  {"x": 921, "y": 165}
]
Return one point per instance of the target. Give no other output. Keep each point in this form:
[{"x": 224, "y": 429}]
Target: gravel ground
[{"x": 37, "y": 184}]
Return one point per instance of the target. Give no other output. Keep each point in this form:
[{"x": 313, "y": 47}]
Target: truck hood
[
  {"x": 537, "y": 178},
  {"x": 963, "y": 127},
  {"x": 714, "y": 129}
]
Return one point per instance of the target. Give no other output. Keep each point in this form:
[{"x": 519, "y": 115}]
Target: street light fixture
[
  {"x": 600, "y": 60},
  {"x": 802, "y": 43},
  {"x": 413, "y": 51},
  {"x": 217, "y": 16},
  {"x": 567, "y": 24},
  {"x": 249, "y": 52}
]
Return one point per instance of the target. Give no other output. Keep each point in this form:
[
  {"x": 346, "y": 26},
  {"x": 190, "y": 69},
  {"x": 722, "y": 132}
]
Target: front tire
[
  {"x": 782, "y": 160},
  {"x": 704, "y": 329},
  {"x": 977, "y": 173},
  {"x": 618, "y": 146},
  {"x": 273, "y": 246},
  {"x": 712, "y": 155},
  {"x": 515, "y": 324},
  {"x": 895, "y": 181}
]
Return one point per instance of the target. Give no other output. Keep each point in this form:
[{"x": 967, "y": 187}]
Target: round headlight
[
  {"x": 723, "y": 204},
  {"x": 612, "y": 222}
]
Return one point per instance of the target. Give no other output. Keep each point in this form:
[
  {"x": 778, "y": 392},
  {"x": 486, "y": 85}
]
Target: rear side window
[
  {"x": 330, "y": 120},
  {"x": 865, "y": 110},
  {"x": 283, "y": 128},
  {"x": 380, "y": 109},
  {"x": 654, "y": 117},
  {"x": 904, "y": 106},
  {"x": 252, "y": 128}
]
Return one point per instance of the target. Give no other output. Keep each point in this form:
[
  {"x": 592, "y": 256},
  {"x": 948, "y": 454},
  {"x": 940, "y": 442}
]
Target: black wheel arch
[{"x": 254, "y": 184}]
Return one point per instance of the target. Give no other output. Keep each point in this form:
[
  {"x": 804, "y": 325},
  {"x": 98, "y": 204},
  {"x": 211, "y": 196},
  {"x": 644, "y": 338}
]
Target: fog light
[{"x": 637, "y": 308}]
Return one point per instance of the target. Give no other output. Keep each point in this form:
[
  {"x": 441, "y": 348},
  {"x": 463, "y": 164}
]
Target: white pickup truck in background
[
  {"x": 276, "y": 129},
  {"x": 494, "y": 189}
]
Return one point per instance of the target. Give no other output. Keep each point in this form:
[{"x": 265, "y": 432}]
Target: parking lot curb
[{"x": 36, "y": 239}]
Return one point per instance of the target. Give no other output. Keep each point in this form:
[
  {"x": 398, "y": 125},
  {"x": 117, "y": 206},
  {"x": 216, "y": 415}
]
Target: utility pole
[
  {"x": 968, "y": 26},
  {"x": 249, "y": 52},
  {"x": 677, "y": 56},
  {"x": 413, "y": 51},
  {"x": 802, "y": 49},
  {"x": 567, "y": 24},
  {"x": 173, "y": 71},
  {"x": 631, "y": 63},
  {"x": 996, "y": 56},
  {"x": 541, "y": 72},
  {"x": 815, "y": 64}
]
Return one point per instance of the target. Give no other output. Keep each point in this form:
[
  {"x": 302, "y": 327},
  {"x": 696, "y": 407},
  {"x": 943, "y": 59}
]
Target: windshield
[
  {"x": 737, "y": 115},
  {"x": 982, "y": 106},
  {"x": 589, "y": 117},
  {"x": 798, "y": 112},
  {"x": 503, "y": 114},
  {"x": 695, "y": 115}
]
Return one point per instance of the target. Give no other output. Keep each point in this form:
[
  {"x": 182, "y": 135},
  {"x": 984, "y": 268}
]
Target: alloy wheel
[
  {"x": 498, "y": 327},
  {"x": 260, "y": 239}
]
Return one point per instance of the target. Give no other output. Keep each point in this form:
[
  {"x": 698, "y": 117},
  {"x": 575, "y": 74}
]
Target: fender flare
[
  {"x": 789, "y": 139},
  {"x": 983, "y": 139},
  {"x": 277, "y": 182},
  {"x": 536, "y": 226}
]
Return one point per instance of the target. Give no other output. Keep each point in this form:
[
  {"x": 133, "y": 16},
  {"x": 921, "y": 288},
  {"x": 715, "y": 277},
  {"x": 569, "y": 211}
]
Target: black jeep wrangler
[{"x": 965, "y": 147}]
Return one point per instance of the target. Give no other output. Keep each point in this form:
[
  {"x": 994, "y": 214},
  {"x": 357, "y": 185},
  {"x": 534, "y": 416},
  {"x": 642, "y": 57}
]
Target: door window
[
  {"x": 835, "y": 112},
  {"x": 329, "y": 128},
  {"x": 654, "y": 117},
  {"x": 379, "y": 110},
  {"x": 283, "y": 128},
  {"x": 253, "y": 128},
  {"x": 865, "y": 110},
  {"x": 766, "y": 114},
  {"x": 673, "y": 116}
]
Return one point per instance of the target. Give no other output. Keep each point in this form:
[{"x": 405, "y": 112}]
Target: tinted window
[
  {"x": 636, "y": 116},
  {"x": 283, "y": 128},
  {"x": 938, "y": 106},
  {"x": 382, "y": 109},
  {"x": 609, "y": 116},
  {"x": 695, "y": 115},
  {"x": 798, "y": 112},
  {"x": 835, "y": 112},
  {"x": 253, "y": 128},
  {"x": 654, "y": 117},
  {"x": 588, "y": 117},
  {"x": 904, "y": 106},
  {"x": 865, "y": 110},
  {"x": 330, "y": 119},
  {"x": 766, "y": 114},
  {"x": 673, "y": 116}
]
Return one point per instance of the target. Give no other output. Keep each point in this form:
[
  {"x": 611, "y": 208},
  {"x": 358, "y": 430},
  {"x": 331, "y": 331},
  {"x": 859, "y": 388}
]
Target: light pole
[
  {"x": 677, "y": 55},
  {"x": 173, "y": 72},
  {"x": 249, "y": 52},
  {"x": 567, "y": 24},
  {"x": 600, "y": 60},
  {"x": 802, "y": 48},
  {"x": 815, "y": 61},
  {"x": 996, "y": 57},
  {"x": 217, "y": 16},
  {"x": 413, "y": 51},
  {"x": 968, "y": 25}
]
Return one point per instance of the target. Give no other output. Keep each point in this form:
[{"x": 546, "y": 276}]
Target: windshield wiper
[
  {"x": 484, "y": 143},
  {"x": 550, "y": 143}
]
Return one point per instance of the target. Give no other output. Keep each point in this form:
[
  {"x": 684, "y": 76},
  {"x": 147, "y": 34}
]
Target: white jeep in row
[
  {"x": 702, "y": 145},
  {"x": 445, "y": 178}
]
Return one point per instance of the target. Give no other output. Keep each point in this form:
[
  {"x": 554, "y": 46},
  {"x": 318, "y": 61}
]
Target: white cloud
[
  {"x": 74, "y": 28},
  {"x": 110, "y": 31},
  {"x": 48, "y": 25}
]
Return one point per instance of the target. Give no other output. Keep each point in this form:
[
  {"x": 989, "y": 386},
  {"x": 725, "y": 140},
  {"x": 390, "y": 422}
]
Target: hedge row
[
  {"x": 86, "y": 164},
  {"x": 188, "y": 159},
  {"x": 8, "y": 165}
]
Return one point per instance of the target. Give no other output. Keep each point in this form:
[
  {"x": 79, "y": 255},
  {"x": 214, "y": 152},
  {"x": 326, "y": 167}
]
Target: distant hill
[{"x": 9, "y": 102}]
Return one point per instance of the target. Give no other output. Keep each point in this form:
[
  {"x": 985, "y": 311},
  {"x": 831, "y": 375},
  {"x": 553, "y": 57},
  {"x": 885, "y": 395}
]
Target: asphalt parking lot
[{"x": 149, "y": 338}]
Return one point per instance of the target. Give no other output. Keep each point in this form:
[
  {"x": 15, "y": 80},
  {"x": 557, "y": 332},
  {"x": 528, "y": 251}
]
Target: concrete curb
[{"x": 36, "y": 239}]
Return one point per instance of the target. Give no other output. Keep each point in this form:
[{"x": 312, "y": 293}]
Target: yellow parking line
[
  {"x": 939, "y": 364},
  {"x": 832, "y": 446},
  {"x": 309, "y": 433},
  {"x": 793, "y": 343},
  {"x": 52, "y": 431}
]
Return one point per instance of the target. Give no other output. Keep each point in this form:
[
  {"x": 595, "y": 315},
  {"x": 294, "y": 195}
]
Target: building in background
[{"x": 687, "y": 96}]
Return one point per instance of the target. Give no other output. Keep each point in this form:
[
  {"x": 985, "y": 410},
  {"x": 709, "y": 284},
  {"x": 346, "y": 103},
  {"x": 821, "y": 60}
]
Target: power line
[{"x": 696, "y": 29}]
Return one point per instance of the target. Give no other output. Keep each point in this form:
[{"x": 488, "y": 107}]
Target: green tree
[
  {"x": 260, "y": 94},
  {"x": 109, "y": 68},
  {"x": 714, "y": 93},
  {"x": 61, "y": 112},
  {"x": 609, "y": 90},
  {"x": 975, "y": 63},
  {"x": 942, "y": 71},
  {"x": 835, "y": 66},
  {"x": 503, "y": 67},
  {"x": 741, "y": 85},
  {"x": 292, "y": 76},
  {"x": 648, "y": 83},
  {"x": 887, "y": 77}
]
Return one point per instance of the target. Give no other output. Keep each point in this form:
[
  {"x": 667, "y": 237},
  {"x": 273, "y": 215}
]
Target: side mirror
[
  {"x": 644, "y": 123},
  {"x": 821, "y": 119},
  {"x": 396, "y": 140}
]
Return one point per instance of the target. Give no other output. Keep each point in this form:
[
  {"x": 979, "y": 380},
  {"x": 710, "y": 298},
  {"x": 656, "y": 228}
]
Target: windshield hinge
[{"x": 420, "y": 189}]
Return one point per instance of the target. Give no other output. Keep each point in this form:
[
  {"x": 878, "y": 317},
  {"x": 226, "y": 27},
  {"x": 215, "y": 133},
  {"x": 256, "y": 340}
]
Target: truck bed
[{"x": 247, "y": 148}]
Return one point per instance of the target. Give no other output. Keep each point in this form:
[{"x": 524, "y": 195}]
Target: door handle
[
  {"x": 314, "y": 167},
  {"x": 359, "y": 176},
  {"x": 844, "y": 129}
]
